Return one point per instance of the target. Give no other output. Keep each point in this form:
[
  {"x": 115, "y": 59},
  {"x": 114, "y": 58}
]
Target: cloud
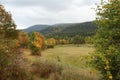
[
  {"x": 30, "y": 12},
  {"x": 51, "y": 5}
]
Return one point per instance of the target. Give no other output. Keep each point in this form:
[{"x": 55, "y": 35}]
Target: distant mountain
[
  {"x": 65, "y": 30},
  {"x": 35, "y": 28},
  {"x": 70, "y": 30}
]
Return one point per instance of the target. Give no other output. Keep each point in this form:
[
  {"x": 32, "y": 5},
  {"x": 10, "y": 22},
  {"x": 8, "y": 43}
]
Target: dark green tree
[
  {"x": 78, "y": 39},
  {"x": 107, "y": 40}
]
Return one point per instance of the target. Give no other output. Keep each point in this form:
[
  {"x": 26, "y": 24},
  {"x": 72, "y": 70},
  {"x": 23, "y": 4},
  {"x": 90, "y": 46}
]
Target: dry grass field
[
  {"x": 73, "y": 59},
  {"x": 68, "y": 54}
]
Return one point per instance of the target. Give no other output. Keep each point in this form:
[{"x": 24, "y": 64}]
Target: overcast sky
[{"x": 30, "y": 12}]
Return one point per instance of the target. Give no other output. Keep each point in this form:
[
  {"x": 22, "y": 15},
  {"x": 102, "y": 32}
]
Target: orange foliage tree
[
  {"x": 23, "y": 39},
  {"x": 36, "y": 42}
]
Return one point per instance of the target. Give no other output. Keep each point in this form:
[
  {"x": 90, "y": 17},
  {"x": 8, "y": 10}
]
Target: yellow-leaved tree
[
  {"x": 50, "y": 43},
  {"x": 36, "y": 42}
]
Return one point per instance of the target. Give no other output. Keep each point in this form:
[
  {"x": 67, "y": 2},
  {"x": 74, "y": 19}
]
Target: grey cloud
[
  {"x": 85, "y": 2},
  {"x": 50, "y": 5},
  {"x": 30, "y": 12},
  {"x": 53, "y": 5}
]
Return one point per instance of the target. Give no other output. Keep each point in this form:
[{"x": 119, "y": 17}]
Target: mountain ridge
[
  {"x": 36, "y": 27},
  {"x": 65, "y": 29}
]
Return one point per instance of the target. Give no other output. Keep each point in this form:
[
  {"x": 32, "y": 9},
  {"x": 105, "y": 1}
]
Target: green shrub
[
  {"x": 35, "y": 50},
  {"x": 36, "y": 43},
  {"x": 106, "y": 57}
]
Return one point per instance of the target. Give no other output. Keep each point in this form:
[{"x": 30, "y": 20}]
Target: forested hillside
[
  {"x": 35, "y": 28},
  {"x": 70, "y": 30},
  {"x": 65, "y": 30}
]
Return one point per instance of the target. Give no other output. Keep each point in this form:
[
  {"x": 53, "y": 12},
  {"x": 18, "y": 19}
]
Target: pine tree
[{"x": 107, "y": 40}]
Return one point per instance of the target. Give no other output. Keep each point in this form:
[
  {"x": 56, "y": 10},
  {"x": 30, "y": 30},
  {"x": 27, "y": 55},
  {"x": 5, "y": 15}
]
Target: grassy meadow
[{"x": 72, "y": 58}]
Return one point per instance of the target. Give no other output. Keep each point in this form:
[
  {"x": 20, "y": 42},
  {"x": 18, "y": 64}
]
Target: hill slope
[
  {"x": 35, "y": 28},
  {"x": 64, "y": 30},
  {"x": 70, "y": 30}
]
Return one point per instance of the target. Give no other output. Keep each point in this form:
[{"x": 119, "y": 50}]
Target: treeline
[
  {"x": 69, "y": 33},
  {"x": 77, "y": 33},
  {"x": 37, "y": 42}
]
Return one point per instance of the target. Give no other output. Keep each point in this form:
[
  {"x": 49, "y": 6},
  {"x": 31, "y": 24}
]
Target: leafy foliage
[
  {"x": 7, "y": 25},
  {"x": 11, "y": 62},
  {"x": 107, "y": 40},
  {"x": 78, "y": 39},
  {"x": 50, "y": 43},
  {"x": 36, "y": 42},
  {"x": 89, "y": 40},
  {"x": 11, "y": 67},
  {"x": 23, "y": 39},
  {"x": 63, "y": 41}
]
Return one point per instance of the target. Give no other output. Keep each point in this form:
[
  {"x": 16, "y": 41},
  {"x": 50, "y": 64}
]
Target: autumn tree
[
  {"x": 50, "y": 43},
  {"x": 10, "y": 58},
  {"x": 36, "y": 42},
  {"x": 107, "y": 40},
  {"x": 23, "y": 39},
  {"x": 63, "y": 41},
  {"x": 7, "y": 25}
]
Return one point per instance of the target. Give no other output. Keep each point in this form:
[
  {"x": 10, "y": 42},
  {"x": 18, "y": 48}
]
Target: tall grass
[
  {"x": 53, "y": 71},
  {"x": 64, "y": 63}
]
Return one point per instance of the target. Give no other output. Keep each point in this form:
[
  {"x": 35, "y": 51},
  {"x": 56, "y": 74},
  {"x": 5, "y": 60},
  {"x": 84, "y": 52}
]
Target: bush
[
  {"x": 14, "y": 72},
  {"x": 45, "y": 69},
  {"x": 36, "y": 43},
  {"x": 12, "y": 65},
  {"x": 23, "y": 39},
  {"x": 106, "y": 57},
  {"x": 35, "y": 50},
  {"x": 50, "y": 43}
]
